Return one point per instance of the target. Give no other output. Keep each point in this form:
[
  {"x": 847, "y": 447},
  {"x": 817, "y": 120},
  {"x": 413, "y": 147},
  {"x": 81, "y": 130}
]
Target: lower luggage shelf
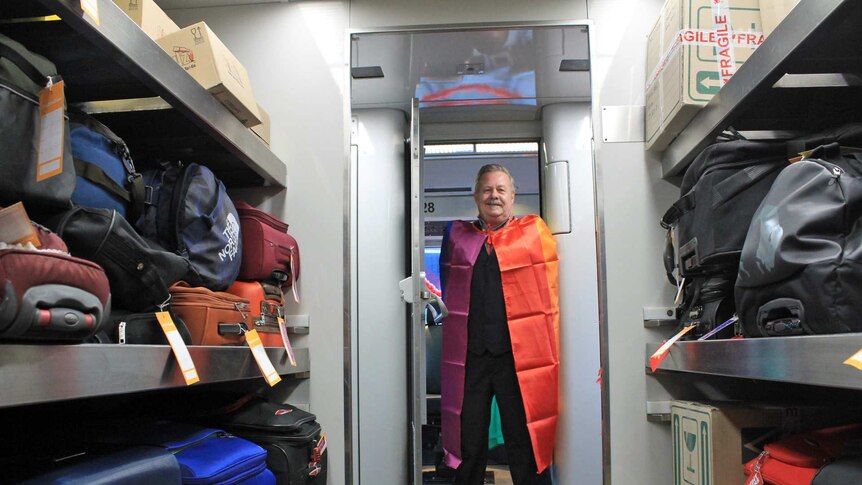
[
  {"x": 811, "y": 359},
  {"x": 43, "y": 373}
]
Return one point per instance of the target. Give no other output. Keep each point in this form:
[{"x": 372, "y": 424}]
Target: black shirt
[{"x": 487, "y": 327}]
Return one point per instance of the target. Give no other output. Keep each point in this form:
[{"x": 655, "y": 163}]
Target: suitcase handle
[
  {"x": 782, "y": 316},
  {"x": 237, "y": 328}
]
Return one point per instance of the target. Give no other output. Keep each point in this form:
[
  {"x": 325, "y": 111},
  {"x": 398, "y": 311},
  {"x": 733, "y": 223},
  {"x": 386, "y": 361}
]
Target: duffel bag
[
  {"x": 212, "y": 317},
  {"x": 124, "y": 327},
  {"x": 106, "y": 176},
  {"x": 268, "y": 251},
  {"x": 139, "y": 274},
  {"x": 801, "y": 266},
  {"x": 43, "y": 181},
  {"x": 191, "y": 214},
  {"x": 46, "y": 294}
]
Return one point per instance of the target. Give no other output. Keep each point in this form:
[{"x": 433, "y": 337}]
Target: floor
[{"x": 496, "y": 474}]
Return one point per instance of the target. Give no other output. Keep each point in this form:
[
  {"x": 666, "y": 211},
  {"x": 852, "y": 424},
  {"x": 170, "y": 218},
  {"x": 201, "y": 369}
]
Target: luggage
[
  {"x": 810, "y": 458},
  {"x": 269, "y": 252},
  {"x": 212, "y": 317},
  {"x": 106, "y": 175},
  {"x": 265, "y": 305},
  {"x": 192, "y": 215},
  {"x": 206, "y": 456},
  {"x": 46, "y": 294},
  {"x": 45, "y": 185},
  {"x": 801, "y": 266},
  {"x": 123, "y": 327},
  {"x": 141, "y": 465},
  {"x": 139, "y": 275},
  {"x": 296, "y": 452}
]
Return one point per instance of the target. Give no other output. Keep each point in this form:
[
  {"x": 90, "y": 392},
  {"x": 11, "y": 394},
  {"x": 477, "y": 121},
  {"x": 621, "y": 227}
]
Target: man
[{"x": 499, "y": 278}]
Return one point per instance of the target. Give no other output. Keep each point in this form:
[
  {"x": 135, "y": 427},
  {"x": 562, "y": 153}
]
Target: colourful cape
[{"x": 527, "y": 254}]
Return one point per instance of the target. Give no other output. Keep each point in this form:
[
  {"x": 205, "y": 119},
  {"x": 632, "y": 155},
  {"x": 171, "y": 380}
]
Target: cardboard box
[
  {"x": 772, "y": 12},
  {"x": 689, "y": 57},
  {"x": 197, "y": 49},
  {"x": 262, "y": 130},
  {"x": 710, "y": 440},
  {"x": 149, "y": 17}
]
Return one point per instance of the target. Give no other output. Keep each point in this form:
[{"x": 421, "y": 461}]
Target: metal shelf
[
  {"x": 817, "y": 37},
  {"x": 116, "y": 60},
  {"x": 813, "y": 359},
  {"x": 34, "y": 374}
]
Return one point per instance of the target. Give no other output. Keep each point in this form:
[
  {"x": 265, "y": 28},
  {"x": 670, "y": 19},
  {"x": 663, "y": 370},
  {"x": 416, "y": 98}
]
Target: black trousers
[{"x": 490, "y": 375}]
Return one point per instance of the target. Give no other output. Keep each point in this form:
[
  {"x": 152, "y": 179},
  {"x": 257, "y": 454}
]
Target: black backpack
[{"x": 801, "y": 266}]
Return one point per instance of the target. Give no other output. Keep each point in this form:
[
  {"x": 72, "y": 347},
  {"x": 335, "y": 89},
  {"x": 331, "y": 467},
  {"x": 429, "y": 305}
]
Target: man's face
[{"x": 495, "y": 197}]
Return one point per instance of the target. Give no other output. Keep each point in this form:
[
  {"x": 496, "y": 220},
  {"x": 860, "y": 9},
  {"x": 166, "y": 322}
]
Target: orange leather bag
[
  {"x": 213, "y": 317},
  {"x": 265, "y": 305}
]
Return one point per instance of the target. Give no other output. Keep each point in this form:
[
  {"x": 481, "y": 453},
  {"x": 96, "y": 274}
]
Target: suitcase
[
  {"x": 265, "y": 304},
  {"x": 141, "y": 465},
  {"x": 206, "y": 456},
  {"x": 296, "y": 452},
  {"x": 212, "y": 317},
  {"x": 47, "y": 294},
  {"x": 809, "y": 458},
  {"x": 106, "y": 176},
  {"x": 269, "y": 252},
  {"x": 800, "y": 270},
  {"x": 123, "y": 327}
]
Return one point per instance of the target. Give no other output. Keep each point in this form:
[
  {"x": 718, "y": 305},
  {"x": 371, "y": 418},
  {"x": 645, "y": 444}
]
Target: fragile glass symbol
[{"x": 690, "y": 442}]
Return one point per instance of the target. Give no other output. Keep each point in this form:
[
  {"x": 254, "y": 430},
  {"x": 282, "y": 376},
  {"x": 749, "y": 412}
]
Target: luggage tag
[
  {"x": 16, "y": 228},
  {"x": 719, "y": 328},
  {"x": 294, "y": 285},
  {"x": 756, "y": 477},
  {"x": 678, "y": 298},
  {"x": 91, "y": 8},
  {"x": 317, "y": 452},
  {"x": 656, "y": 359},
  {"x": 52, "y": 103},
  {"x": 282, "y": 328},
  {"x": 181, "y": 352},
  {"x": 257, "y": 350},
  {"x": 855, "y": 360}
]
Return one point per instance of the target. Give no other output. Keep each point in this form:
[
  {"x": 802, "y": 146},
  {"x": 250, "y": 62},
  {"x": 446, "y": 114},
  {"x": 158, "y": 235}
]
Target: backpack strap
[{"x": 95, "y": 174}]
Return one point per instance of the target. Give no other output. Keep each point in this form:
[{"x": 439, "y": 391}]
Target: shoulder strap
[{"x": 95, "y": 174}]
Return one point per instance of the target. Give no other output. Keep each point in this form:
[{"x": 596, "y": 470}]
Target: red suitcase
[
  {"x": 47, "y": 294},
  {"x": 268, "y": 251},
  {"x": 265, "y": 305}
]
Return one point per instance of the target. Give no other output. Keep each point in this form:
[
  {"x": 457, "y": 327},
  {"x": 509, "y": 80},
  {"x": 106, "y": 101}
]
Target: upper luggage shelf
[
  {"x": 805, "y": 76},
  {"x": 116, "y": 72}
]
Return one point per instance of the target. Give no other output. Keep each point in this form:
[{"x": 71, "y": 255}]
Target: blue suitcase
[
  {"x": 206, "y": 456},
  {"x": 142, "y": 465}
]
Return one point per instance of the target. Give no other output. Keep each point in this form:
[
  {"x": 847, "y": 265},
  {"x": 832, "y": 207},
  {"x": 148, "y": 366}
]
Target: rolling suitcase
[
  {"x": 212, "y": 317},
  {"x": 269, "y": 252},
  {"x": 296, "y": 451},
  {"x": 265, "y": 305},
  {"x": 46, "y": 294}
]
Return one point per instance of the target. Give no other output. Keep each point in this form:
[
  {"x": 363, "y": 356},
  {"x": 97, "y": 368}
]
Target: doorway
[{"x": 483, "y": 95}]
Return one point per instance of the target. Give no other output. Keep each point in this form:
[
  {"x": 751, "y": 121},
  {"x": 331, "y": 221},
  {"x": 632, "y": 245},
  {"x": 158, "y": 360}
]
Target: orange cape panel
[{"x": 527, "y": 254}]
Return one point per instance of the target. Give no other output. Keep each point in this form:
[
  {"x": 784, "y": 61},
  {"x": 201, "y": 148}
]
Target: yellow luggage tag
[
  {"x": 181, "y": 352},
  {"x": 855, "y": 360},
  {"x": 16, "y": 228},
  {"x": 257, "y": 350},
  {"x": 52, "y": 117},
  {"x": 91, "y": 8},
  {"x": 294, "y": 284},
  {"x": 656, "y": 359}
]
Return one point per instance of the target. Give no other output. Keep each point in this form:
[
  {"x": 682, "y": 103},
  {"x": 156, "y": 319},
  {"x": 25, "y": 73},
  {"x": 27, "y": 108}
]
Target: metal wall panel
[{"x": 568, "y": 136}]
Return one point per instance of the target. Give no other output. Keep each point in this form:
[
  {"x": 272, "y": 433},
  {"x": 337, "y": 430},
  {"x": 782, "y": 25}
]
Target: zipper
[
  {"x": 18, "y": 91},
  {"x": 214, "y": 434},
  {"x": 263, "y": 217},
  {"x": 211, "y": 301}
]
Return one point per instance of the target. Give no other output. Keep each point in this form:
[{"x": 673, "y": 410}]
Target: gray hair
[{"x": 492, "y": 167}]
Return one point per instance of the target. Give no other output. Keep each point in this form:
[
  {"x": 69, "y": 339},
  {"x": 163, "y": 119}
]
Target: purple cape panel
[{"x": 463, "y": 248}]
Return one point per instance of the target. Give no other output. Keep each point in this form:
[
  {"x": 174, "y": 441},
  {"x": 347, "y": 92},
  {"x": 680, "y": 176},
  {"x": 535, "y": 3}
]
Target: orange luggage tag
[
  {"x": 656, "y": 359},
  {"x": 181, "y": 352}
]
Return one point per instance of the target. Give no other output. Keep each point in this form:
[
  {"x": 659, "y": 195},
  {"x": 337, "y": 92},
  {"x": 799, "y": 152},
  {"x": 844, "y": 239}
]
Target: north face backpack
[
  {"x": 800, "y": 270},
  {"x": 191, "y": 214}
]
